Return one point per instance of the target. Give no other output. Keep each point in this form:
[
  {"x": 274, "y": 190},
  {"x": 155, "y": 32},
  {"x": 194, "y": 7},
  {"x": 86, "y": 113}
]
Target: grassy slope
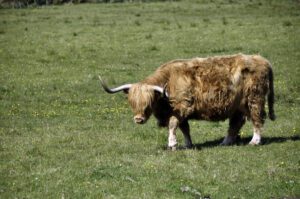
[{"x": 61, "y": 137}]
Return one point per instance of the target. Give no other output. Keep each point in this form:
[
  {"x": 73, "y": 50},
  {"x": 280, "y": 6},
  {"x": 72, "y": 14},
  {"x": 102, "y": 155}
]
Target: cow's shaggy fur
[{"x": 213, "y": 89}]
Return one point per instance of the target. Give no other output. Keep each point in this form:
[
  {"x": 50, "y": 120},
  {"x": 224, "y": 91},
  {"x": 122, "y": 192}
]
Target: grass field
[{"x": 61, "y": 136}]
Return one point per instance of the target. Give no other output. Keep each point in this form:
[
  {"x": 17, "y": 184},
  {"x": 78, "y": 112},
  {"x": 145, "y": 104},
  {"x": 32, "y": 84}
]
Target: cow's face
[
  {"x": 140, "y": 96},
  {"x": 141, "y": 99}
]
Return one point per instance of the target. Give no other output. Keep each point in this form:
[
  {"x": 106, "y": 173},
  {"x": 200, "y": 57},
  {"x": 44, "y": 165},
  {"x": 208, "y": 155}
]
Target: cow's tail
[{"x": 271, "y": 96}]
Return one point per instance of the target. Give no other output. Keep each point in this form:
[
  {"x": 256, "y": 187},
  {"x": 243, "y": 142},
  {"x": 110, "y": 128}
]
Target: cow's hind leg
[
  {"x": 258, "y": 115},
  {"x": 185, "y": 128},
  {"x": 236, "y": 122}
]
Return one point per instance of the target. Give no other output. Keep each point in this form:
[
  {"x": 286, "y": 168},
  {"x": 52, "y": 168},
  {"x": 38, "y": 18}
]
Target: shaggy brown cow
[{"x": 213, "y": 89}]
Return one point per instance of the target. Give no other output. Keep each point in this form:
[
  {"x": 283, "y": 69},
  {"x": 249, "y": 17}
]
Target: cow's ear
[{"x": 126, "y": 91}]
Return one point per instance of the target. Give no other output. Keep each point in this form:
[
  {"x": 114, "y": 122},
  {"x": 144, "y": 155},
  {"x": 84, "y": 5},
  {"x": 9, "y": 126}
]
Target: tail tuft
[{"x": 272, "y": 116}]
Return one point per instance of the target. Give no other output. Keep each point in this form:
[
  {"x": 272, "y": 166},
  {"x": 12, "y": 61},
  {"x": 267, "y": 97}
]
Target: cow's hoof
[
  {"x": 190, "y": 146},
  {"x": 228, "y": 140},
  {"x": 252, "y": 143},
  {"x": 172, "y": 148},
  {"x": 224, "y": 143},
  {"x": 256, "y": 140}
]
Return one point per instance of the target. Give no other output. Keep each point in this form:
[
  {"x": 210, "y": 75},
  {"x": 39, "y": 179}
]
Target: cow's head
[{"x": 141, "y": 98}]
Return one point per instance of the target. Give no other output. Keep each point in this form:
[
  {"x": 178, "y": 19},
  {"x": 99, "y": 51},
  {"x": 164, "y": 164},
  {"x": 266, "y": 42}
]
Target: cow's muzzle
[{"x": 139, "y": 119}]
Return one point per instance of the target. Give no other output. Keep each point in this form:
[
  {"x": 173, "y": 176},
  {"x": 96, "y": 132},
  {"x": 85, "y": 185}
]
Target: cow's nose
[{"x": 139, "y": 119}]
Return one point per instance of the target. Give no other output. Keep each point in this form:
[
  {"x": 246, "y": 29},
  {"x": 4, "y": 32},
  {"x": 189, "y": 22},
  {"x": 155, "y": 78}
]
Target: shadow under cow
[{"x": 242, "y": 142}]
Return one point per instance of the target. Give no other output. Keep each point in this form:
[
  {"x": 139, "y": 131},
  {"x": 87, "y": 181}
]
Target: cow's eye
[{"x": 189, "y": 102}]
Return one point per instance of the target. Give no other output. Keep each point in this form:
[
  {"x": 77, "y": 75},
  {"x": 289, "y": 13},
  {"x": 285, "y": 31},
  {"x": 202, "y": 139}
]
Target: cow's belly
[
  {"x": 211, "y": 114},
  {"x": 219, "y": 107}
]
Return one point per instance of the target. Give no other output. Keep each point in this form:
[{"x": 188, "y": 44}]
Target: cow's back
[{"x": 211, "y": 88}]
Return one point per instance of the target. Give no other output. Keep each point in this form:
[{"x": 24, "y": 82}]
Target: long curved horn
[
  {"x": 113, "y": 90},
  {"x": 158, "y": 89}
]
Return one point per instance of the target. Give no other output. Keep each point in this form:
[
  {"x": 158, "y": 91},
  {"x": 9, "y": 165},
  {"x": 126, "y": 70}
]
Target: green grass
[{"x": 61, "y": 136}]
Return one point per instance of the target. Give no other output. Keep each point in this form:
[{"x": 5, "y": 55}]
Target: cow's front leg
[
  {"x": 173, "y": 124},
  {"x": 185, "y": 128}
]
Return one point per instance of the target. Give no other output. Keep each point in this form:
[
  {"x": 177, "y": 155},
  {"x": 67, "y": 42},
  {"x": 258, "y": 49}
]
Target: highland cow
[{"x": 217, "y": 88}]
